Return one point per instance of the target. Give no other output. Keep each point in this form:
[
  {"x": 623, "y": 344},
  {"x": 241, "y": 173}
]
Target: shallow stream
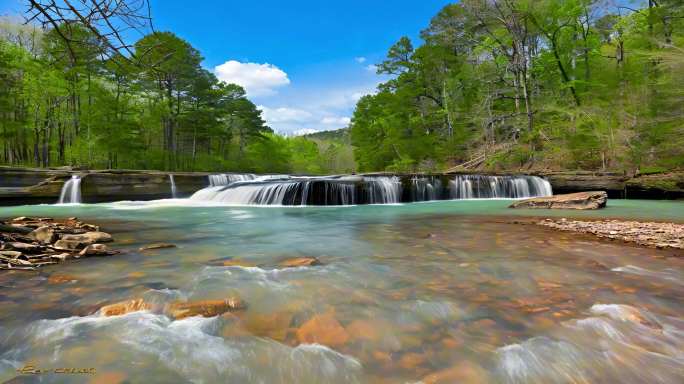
[{"x": 443, "y": 292}]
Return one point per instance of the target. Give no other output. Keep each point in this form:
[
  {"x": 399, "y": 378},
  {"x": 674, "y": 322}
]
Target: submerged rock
[
  {"x": 95, "y": 250},
  {"x": 124, "y": 307},
  {"x": 323, "y": 329},
  {"x": 206, "y": 308},
  {"x": 237, "y": 263},
  {"x": 61, "y": 279},
  {"x": 157, "y": 246},
  {"x": 463, "y": 372},
  {"x": 580, "y": 200},
  {"x": 300, "y": 262}
]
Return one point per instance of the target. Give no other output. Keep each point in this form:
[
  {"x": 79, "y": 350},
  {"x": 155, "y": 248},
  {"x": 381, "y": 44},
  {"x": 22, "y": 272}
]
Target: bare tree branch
[{"x": 108, "y": 20}]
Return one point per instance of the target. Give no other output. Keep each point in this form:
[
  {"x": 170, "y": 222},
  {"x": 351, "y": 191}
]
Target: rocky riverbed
[
  {"x": 650, "y": 234},
  {"x": 28, "y": 243}
]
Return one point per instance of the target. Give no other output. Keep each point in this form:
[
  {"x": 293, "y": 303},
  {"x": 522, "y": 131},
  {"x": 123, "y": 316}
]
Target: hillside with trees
[{"x": 552, "y": 84}]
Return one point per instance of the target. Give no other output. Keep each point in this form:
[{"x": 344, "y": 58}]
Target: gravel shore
[{"x": 650, "y": 234}]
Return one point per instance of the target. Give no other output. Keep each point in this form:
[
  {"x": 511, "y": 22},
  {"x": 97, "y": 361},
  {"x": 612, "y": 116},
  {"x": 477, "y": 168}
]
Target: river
[{"x": 443, "y": 292}]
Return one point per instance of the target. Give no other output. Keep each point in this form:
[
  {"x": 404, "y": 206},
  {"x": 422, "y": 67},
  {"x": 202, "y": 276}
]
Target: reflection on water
[{"x": 439, "y": 292}]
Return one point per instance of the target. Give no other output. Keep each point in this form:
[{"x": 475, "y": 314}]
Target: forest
[
  {"x": 531, "y": 84},
  {"x": 492, "y": 84},
  {"x": 80, "y": 105}
]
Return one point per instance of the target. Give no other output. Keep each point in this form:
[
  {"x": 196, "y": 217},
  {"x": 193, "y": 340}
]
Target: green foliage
[
  {"x": 544, "y": 83},
  {"x": 70, "y": 105}
]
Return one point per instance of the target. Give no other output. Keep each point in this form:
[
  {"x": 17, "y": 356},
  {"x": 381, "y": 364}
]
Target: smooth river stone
[
  {"x": 323, "y": 329},
  {"x": 207, "y": 308},
  {"x": 124, "y": 307},
  {"x": 299, "y": 262}
]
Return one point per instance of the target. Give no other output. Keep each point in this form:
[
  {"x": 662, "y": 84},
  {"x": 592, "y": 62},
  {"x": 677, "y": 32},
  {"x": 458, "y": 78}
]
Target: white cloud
[
  {"x": 319, "y": 108},
  {"x": 372, "y": 68},
  {"x": 360, "y": 59},
  {"x": 336, "y": 121},
  {"x": 257, "y": 79},
  {"x": 285, "y": 115}
]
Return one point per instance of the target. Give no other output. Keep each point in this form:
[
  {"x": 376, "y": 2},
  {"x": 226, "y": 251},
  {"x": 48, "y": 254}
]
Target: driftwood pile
[{"x": 27, "y": 243}]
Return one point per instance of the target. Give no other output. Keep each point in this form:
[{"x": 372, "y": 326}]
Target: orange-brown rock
[
  {"x": 580, "y": 200},
  {"x": 382, "y": 357},
  {"x": 410, "y": 361},
  {"x": 462, "y": 373},
  {"x": 364, "y": 330},
  {"x": 274, "y": 325},
  {"x": 451, "y": 343},
  {"x": 136, "y": 275},
  {"x": 323, "y": 329},
  {"x": 124, "y": 307},
  {"x": 238, "y": 263},
  {"x": 206, "y": 308},
  {"x": 61, "y": 279},
  {"x": 109, "y": 378},
  {"x": 299, "y": 262}
]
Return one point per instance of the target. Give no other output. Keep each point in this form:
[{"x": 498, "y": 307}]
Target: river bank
[{"x": 20, "y": 186}]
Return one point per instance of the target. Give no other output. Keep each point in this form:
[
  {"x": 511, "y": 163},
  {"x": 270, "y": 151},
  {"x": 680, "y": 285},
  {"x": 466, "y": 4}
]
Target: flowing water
[
  {"x": 351, "y": 190},
  {"x": 227, "y": 178},
  {"x": 71, "y": 191},
  {"x": 438, "y": 292},
  {"x": 174, "y": 190}
]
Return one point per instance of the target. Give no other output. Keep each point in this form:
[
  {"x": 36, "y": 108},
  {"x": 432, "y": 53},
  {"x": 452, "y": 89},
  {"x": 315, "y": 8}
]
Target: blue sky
[{"x": 304, "y": 62}]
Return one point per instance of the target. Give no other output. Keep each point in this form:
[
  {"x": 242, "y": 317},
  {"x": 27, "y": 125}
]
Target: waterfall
[
  {"x": 282, "y": 190},
  {"x": 71, "y": 191},
  {"x": 349, "y": 190},
  {"x": 382, "y": 189},
  {"x": 425, "y": 188},
  {"x": 498, "y": 187},
  {"x": 173, "y": 186},
  {"x": 227, "y": 178}
]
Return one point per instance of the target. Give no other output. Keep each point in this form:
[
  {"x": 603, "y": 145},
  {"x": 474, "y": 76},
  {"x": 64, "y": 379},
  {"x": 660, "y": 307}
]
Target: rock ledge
[{"x": 580, "y": 200}]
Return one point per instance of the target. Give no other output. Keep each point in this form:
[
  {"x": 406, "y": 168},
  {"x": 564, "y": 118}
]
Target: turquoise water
[
  {"x": 441, "y": 292},
  {"x": 658, "y": 210}
]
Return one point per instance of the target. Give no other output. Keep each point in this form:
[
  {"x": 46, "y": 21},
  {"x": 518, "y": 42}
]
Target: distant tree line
[{"x": 531, "y": 83}]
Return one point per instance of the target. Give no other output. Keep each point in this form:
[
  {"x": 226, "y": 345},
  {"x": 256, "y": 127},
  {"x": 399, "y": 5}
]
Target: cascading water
[
  {"x": 498, "y": 187},
  {"x": 71, "y": 191},
  {"x": 382, "y": 190},
  {"x": 174, "y": 191},
  {"x": 426, "y": 188},
  {"x": 341, "y": 190},
  {"x": 228, "y": 178},
  {"x": 281, "y": 190}
]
